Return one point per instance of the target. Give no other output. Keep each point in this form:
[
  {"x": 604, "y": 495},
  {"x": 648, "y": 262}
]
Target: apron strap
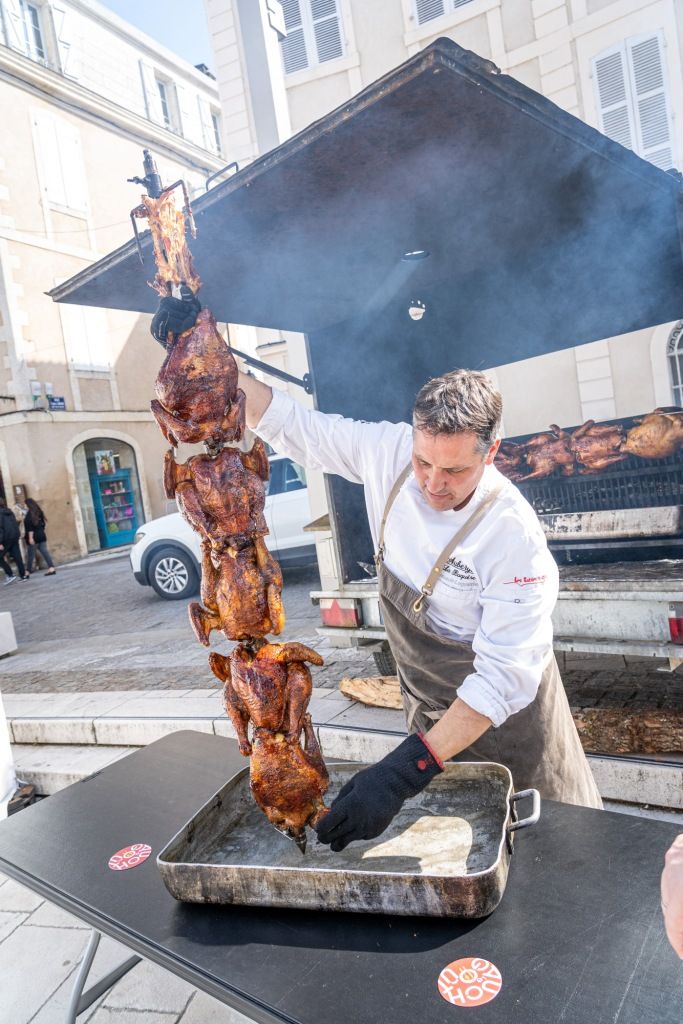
[
  {"x": 462, "y": 533},
  {"x": 393, "y": 494}
]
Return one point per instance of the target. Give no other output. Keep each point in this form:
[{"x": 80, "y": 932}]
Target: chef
[{"x": 467, "y": 589}]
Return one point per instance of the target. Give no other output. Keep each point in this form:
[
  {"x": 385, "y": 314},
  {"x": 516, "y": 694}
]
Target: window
[
  {"x": 674, "y": 350},
  {"x": 427, "y": 10},
  {"x": 163, "y": 99},
  {"x": 216, "y": 126},
  {"x": 630, "y": 82},
  {"x": 313, "y": 33},
  {"x": 33, "y": 37},
  {"x": 85, "y": 333},
  {"x": 285, "y": 476},
  {"x": 60, "y": 160}
]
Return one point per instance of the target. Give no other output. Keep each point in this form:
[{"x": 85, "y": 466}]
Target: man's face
[{"x": 448, "y": 467}]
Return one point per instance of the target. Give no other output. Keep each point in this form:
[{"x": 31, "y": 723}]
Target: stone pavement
[
  {"x": 92, "y": 627},
  {"x": 40, "y": 947}
]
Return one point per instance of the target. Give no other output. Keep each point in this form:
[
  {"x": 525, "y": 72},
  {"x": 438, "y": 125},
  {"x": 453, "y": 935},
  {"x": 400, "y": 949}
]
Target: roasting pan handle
[{"x": 535, "y": 810}]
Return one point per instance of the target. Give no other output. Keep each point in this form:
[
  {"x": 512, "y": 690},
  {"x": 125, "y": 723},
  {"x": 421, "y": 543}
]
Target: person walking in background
[
  {"x": 9, "y": 544},
  {"x": 36, "y": 539},
  {"x": 20, "y": 509}
]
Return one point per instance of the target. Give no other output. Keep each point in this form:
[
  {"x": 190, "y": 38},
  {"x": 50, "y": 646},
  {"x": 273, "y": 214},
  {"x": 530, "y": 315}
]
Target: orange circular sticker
[
  {"x": 129, "y": 857},
  {"x": 470, "y": 982}
]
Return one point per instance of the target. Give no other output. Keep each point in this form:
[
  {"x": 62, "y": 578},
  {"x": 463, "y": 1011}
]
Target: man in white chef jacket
[{"x": 467, "y": 588}]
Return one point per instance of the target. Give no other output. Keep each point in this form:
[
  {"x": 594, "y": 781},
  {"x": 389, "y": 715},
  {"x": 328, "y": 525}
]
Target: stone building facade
[{"x": 81, "y": 94}]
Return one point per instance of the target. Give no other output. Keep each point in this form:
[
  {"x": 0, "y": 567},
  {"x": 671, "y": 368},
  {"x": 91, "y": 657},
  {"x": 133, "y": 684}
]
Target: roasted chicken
[
  {"x": 196, "y": 388},
  {"x": 510, "y": 460},
  {"x": 222, "y": 497},
  {"x": 595, "y": 447},
  {"x": 241, "y": 592},
  {"x": 221, "y": 494},
  {"x": 271, "y": 689},
  {"x": 655, "y": 436},
  {"x": 547, "y": 452}
]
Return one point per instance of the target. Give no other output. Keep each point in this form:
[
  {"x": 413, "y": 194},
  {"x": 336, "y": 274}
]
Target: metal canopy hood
[{"x": 541, "y": 232}]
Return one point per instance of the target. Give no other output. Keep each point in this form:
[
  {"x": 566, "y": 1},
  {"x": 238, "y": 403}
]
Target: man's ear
[{"x": 493, "y": 451}]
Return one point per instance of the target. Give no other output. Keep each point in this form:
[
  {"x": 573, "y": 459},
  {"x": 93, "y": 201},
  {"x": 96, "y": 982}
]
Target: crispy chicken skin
[
  {"x": 547, "y": 452},
  {"x": 222, "y": 498},
  {"x": 271, "y": 689},
  {"x": 196, "y": 388},
  {"x": 655, "y": 436},
  {"x": 510, "y": 460},
  {"x": 241, "y": 592},
  {"x": 595, "y": 447}
]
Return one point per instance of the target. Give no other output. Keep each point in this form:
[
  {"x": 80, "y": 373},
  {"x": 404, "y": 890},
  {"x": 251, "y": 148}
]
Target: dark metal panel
[{"x": 532, "y": 219}]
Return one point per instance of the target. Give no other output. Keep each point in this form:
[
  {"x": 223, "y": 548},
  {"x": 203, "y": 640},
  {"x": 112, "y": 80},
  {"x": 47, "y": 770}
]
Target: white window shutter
[
  {"x": 188, "y": 121},
  {"x": 48, "y": 158},
  {"x": 611, "y": 78},
  {"x": 75, "y": 336},
  {"x": 326, "y": 28},
  {"x": 293, "y": 46},
  {"x": 63, "y": 31},
  {"x": 97, "y": 337},
  {"x": 427, "y": 10},
  {"x": 151, "y": 93},
  {"x": 73, "y": 171},
  {"x": 208, "y": 139},
  {"x": 650, "y": 100},
  {"x": 14, "y": 25}
]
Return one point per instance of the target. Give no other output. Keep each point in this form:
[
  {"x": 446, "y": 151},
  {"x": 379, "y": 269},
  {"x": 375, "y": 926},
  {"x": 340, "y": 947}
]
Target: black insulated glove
[
  {"x": 175, "y": 315},
  {"x": 371, "y": 799}
]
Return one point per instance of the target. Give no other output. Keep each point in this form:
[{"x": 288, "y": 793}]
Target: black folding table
[{"x": 578, "y": 936}]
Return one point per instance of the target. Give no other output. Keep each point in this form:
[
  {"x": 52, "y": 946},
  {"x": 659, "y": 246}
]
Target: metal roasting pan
[{"x": 446, "y": 853}]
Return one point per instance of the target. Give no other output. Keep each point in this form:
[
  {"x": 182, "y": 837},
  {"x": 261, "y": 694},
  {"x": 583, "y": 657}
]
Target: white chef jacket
[{"x": 498, "y": 589}]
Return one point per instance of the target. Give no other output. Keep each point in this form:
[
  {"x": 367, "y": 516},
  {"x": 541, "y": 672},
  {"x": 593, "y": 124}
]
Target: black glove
[
  {"x": 175, "y": 315},
  {"x": 369, "y": 801}
]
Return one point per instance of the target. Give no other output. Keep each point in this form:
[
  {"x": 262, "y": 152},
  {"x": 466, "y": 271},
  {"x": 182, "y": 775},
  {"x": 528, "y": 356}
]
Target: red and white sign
[
  {"x": 470, "y": 982},
  {"x": 129, "y": 857}
]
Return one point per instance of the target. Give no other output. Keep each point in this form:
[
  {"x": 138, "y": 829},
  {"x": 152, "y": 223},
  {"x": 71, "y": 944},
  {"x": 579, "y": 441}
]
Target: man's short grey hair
[{"x": 462, "y": 401}]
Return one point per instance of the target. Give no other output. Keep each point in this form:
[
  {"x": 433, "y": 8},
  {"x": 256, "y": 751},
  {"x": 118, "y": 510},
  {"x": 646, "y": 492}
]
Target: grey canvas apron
[{"x": 539, "y": 744}]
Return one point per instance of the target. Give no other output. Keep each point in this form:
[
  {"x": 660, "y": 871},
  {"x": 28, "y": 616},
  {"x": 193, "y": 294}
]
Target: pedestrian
[
  {"x": 20, "y": 509},
  {"x": 467, "y": 589},
  {"x": 36, "y": 538},
  {"x": 9, "y": 544}
]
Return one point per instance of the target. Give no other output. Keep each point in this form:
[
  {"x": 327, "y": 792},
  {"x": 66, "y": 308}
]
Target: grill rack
[{"x": 631, "y": 484}]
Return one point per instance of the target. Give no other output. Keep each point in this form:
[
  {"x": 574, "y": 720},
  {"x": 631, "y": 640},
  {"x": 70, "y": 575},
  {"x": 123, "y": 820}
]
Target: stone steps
[{"x": 60, "y": 738}]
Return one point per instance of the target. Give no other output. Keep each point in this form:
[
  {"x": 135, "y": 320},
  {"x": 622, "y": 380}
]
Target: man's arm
[
  {"x": 258, "y": 395},
  {"x": 456, "y": 730}
]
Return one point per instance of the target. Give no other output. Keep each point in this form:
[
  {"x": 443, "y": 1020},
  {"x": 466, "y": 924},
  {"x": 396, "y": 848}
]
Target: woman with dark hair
[{"x": 36, "y": 539}]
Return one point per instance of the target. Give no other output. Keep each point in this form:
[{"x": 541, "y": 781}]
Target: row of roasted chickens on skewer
[
  {"x": 221, "y": 494},
  {"x": 591, "y": 448}
]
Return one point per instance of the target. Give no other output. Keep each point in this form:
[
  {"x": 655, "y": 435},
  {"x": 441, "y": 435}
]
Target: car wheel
[
  {"x": 173, "y": 574},
  {"x": 385, "y": 663}
]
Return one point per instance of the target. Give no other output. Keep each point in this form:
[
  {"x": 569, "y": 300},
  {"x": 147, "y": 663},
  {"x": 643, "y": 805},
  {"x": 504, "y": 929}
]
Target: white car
[{"x": 166, "y": 553}]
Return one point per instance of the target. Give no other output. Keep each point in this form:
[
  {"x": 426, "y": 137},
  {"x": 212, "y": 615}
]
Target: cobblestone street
[{"x": 92, "y": 627}]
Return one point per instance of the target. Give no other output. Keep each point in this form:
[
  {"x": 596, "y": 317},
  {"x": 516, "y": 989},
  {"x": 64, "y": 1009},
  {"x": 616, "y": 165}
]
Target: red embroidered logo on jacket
[{"x": 526, "y": 581}]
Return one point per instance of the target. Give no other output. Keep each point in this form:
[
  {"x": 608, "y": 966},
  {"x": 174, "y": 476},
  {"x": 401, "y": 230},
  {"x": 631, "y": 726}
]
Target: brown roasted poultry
[
  {"x": 597, "y": 446},
  {"x": 655, "y": 436},
  {"x": 196, "y": 388},
  {"x": 271, "y": 689},
  {"x": 510, "y": 460},
  {"x": 547, "y": 452},
  {"x": 222, "y": 497},
  {"x": 241, "y": 593}
]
